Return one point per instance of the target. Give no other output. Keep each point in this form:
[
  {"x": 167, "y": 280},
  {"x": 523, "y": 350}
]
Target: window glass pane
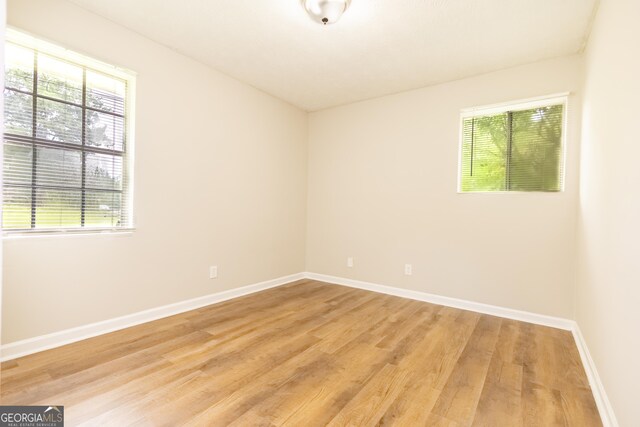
[
  {"x": 102, "y": 209},
  {"x": 16, "y": 207},
  {"x": 103, "y": 171},
  {"x": 61, "y": 168},
  {"x": 18, "y": 163},
  {"x": 18, "y": 113},
  {"x": 536, "y": 151},
  {"x": 484, "y": 146},
  {"x": 59, "y": 122},
  {"x": 105, "y": 93},
  {"x": 517, "y": 150},
  {"x": 57, "y": 208},
  {"x": 55, "y": 184},
  {"x": 18, "y": 67},
  {"x": 105, "y": 130},
  {"x": 59, "y": 79}
]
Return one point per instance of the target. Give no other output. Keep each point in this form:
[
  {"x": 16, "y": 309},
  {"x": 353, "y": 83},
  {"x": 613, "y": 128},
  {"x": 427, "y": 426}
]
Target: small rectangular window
[
  {"x": 67, "y": 151},
  {"x": 517, "y": 148}
]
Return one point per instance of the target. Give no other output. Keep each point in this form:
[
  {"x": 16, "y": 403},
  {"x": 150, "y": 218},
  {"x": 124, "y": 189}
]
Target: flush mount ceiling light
[{"x": 325, "y": 11}]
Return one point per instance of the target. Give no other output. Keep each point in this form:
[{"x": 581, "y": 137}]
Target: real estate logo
[{"x": 31, "y": 416}]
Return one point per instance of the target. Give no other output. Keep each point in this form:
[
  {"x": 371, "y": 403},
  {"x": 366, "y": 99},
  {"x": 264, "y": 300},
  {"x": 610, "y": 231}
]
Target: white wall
[
  {"x": 220, "y": 177},
  {"x": 383, "y": 189},
  {"x": 608, "y": 294},
  {"x": 3, "y": 20}
]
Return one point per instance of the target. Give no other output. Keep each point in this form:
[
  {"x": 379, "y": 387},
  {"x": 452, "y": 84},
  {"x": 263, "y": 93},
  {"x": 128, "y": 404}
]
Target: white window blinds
[
  {"x": 66, "y": 148},
  {"x": 513, "y": 150}
]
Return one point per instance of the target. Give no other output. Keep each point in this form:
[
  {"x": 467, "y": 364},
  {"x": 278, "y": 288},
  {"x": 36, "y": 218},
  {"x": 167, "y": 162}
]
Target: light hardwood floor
[{"x": 308, "y": 354}]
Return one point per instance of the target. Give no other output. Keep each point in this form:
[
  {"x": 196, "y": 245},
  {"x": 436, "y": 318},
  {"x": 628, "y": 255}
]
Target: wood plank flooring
[{"x": 314, "y": 354}]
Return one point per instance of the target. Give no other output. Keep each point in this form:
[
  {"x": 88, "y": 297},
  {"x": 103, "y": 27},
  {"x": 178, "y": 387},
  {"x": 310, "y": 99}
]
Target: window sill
[
  {"x": 22, "y": 234},
  {"x": 512, "y": 192}
]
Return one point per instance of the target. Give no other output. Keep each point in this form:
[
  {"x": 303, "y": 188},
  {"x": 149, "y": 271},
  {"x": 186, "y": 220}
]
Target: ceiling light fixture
[{"x": 326, "y": 11}]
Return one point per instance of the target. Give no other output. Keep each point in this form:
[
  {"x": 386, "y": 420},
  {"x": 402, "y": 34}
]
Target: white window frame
[
  {"x": 523, "y": 104},
  {"x": 19, "y": 37}
]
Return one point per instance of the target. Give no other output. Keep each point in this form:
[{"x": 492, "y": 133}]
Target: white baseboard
[
  {"x": 45, "y": 342},
  {"x": 494, "y": 310},
  {"x": 33, "y": 345},
  {"x": 599, "y": 394}
]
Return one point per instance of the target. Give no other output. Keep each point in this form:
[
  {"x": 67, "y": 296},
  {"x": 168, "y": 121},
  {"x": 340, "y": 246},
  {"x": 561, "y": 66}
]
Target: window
[
  {"x": 66, "y": 145},
  {"x": 518, "y": 148}
]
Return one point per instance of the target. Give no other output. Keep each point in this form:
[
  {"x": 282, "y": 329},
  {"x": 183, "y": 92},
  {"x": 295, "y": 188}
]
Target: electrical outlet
[
  {"x": 408, "y": 270},
  {"x": 350, "y": 262},
  {"x": 213, "y": 272}
]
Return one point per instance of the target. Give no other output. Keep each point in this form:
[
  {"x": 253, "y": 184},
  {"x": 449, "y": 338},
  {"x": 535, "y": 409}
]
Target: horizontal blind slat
[
  {"x": 513, "y": 151},
  {"x": 56, "y": 177}
]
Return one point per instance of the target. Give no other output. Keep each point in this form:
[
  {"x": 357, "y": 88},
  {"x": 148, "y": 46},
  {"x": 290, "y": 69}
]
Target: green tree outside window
[{"x": 513, "y": 151}]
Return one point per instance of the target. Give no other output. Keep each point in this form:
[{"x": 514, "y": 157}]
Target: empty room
[{"x": 320, "y": 212}]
